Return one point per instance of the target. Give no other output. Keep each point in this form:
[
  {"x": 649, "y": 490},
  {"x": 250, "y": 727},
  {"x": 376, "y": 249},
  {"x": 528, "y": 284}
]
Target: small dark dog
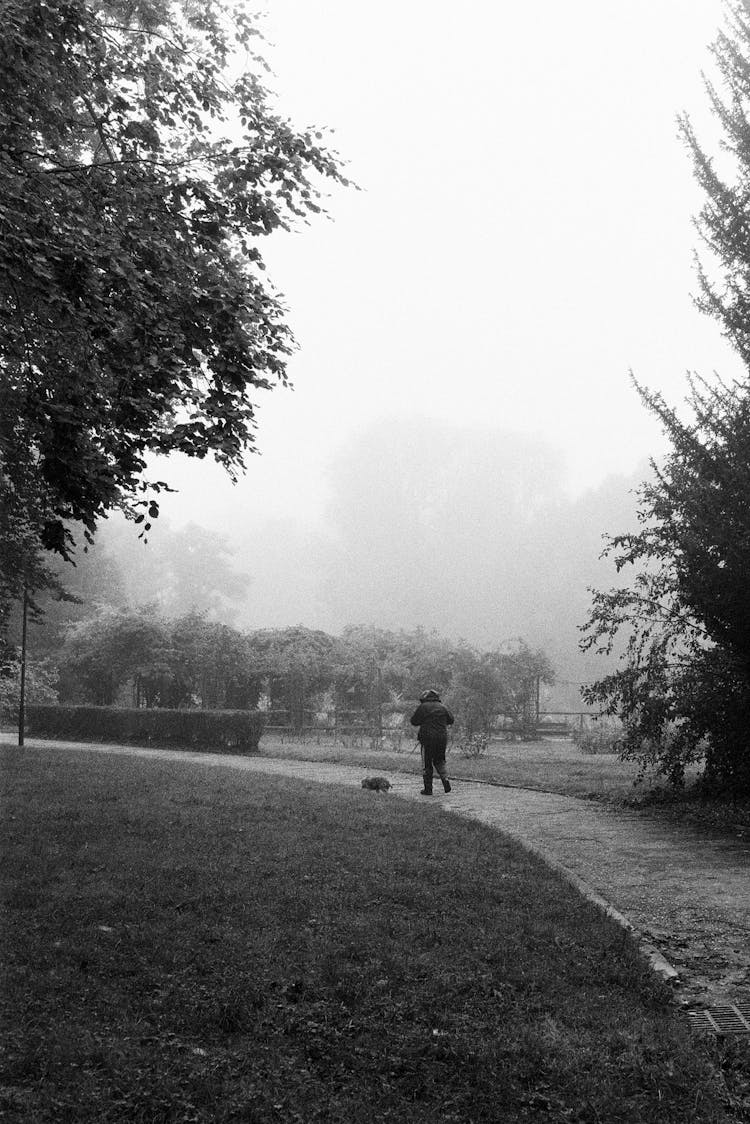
[{"x": 377, "y": 784}]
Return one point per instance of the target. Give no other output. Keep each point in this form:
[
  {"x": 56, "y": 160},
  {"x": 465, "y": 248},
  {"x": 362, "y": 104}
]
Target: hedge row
[{"x": 237, "y": 730}]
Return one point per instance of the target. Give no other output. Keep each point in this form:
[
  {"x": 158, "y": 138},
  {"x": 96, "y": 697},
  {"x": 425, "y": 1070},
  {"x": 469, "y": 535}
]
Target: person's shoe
[
  {"x": 426, "y": 792},
  {"x": 446, "y": 785}
]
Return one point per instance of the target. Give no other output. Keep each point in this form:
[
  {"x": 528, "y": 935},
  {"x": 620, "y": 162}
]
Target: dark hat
[{"x": 429, "y": 696}]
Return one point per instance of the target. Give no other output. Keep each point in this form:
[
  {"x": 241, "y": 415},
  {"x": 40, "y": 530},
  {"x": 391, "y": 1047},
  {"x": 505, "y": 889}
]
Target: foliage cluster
[
  {"x": 195, "y": 729},
  {"x": 40, "y": 686},
  {"x": 141, "y": 163},
  {"x": 234, "y": 947},
  {"x": 186, "y": 662},
  {"x": 474, "y": 745},
  {"x": 500, "y": 682},
  {"x": 683, "y": 689},
  {"x": 605, "y": 735},
  {"x": 120, "y": 655}
]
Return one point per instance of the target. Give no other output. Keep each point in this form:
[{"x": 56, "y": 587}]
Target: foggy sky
[
  {"x": 467, "y": 321},
  {"x": 456, "y": 529},
  {"x": 523, "y": 236}
]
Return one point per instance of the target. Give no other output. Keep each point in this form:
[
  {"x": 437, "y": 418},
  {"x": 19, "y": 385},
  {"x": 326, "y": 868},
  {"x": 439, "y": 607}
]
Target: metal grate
[{"x": 725, "y": 1018}]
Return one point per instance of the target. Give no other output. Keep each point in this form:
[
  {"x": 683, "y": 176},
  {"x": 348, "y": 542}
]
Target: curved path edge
[
  {"x": 656, "y": 960},
  {"x": 403, "y": 787}
]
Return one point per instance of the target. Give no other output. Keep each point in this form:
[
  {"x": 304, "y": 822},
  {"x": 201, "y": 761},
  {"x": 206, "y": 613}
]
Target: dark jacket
[{"x": 432, "y": 718}]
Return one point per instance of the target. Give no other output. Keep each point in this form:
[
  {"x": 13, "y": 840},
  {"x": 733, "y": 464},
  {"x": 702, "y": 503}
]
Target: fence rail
[{"x": 371, "y": 734}]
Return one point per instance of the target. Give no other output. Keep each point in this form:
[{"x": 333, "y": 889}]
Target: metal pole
[
  {"x": 335, "y": 711},
  {"x": 380, "y": 702},
  {"x": 22, "y": 700}
]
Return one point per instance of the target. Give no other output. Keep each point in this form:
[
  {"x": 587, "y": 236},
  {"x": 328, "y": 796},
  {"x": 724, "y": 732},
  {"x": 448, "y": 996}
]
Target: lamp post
[
  {"x": 380, "y": 703},
  {"x": 22, "y": 699}
]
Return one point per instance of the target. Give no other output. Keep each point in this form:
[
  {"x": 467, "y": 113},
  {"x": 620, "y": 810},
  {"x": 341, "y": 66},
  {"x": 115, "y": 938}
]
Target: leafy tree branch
[{"x": 138, "y": 172}]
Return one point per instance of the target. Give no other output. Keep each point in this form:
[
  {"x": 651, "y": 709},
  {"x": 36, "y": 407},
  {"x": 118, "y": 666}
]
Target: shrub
[
  {"x": 238, "y": 730},
  {"x": 604, "y": 736},
  {"x": 474, "y": 745},
  {"x": 41, "y": 687}
]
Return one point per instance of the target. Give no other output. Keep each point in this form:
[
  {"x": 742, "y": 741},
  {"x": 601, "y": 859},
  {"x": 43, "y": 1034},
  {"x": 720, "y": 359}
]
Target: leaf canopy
[{"x": 140, "y": 164}]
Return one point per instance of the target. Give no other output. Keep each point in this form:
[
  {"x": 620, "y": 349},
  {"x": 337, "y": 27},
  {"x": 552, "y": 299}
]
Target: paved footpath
[{"x": 686, "y": 896}]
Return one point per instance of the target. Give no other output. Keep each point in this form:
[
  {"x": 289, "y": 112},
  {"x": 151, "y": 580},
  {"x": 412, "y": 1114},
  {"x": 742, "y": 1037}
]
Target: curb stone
[
  {"x": 656, "y": 960},
  {"x": 297, "y": 770}
]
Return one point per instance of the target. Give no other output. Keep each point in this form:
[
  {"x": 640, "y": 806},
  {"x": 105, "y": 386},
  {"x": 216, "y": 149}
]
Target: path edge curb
[{"x": 655, "y": 959}]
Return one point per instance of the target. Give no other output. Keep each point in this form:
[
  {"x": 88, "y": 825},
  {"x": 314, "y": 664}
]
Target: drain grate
[{"x": 725, "y": 1018}]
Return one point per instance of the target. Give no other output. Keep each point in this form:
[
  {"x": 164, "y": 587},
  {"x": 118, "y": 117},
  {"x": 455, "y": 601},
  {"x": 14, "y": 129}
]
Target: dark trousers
[{"x": 433, "y": 757}]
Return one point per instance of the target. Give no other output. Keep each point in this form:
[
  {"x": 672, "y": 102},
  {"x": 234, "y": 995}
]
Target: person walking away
[{"x": 433, "y": 718}]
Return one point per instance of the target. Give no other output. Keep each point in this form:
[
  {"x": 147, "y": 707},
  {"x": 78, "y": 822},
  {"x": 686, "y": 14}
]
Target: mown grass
[
  {"x": 554, "y": 765},
  {"x": 550, "y": 766},
  {"x": 183, "y": 943}
]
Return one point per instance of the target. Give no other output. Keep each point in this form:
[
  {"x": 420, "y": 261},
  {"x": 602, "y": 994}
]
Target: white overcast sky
[{"x": 522, "y": 237}]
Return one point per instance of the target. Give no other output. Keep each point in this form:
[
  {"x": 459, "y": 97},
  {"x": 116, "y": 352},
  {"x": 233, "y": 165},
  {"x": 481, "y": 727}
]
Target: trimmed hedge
[{"x": 235, "y": 730}]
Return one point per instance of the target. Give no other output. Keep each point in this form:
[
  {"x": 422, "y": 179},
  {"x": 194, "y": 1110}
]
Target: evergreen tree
[{"x": 683, "y": 687}]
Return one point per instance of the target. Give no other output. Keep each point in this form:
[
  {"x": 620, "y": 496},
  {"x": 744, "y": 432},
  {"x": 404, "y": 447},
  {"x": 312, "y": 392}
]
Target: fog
[
  {"x": 468, "y": 531},
  {"x": 463, "y": 429}
]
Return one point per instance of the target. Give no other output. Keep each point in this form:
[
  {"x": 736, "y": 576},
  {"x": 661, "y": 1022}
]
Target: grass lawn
[
  {"x": 182, "y": 943},
  {"x": 554, "y": 765}
]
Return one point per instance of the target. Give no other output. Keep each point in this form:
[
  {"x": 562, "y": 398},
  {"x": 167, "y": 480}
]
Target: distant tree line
[{"x": 140, "y": 658}]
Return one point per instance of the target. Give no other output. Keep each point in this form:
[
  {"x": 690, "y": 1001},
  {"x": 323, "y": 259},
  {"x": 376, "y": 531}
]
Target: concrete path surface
[{"x": 686, "y": 896}]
